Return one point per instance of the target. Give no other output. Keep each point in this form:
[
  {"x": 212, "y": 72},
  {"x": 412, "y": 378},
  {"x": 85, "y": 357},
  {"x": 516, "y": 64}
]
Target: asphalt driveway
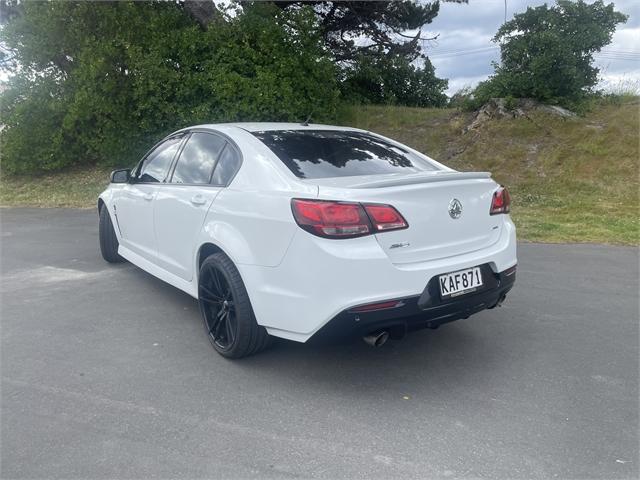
[{"x": 106, "y": 372}]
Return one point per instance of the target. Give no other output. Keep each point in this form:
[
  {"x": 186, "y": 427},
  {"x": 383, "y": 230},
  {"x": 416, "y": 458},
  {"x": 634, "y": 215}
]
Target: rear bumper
[
  {"x": 427, "y": 310},
  {"x": 319, "y": 279}
]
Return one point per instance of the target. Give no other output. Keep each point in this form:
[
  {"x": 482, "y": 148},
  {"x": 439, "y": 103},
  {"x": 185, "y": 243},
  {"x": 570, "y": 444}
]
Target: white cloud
[{"x": 457, "y": 84}]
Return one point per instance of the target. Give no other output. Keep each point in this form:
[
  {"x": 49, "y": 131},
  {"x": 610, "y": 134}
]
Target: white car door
[
  {"x": 184, "y": 200},
  {"x": 133, "y": 205}
]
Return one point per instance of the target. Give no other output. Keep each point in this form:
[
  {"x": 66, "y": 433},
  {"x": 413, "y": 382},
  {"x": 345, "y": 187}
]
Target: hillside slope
[{"x": 572, "y": 180}]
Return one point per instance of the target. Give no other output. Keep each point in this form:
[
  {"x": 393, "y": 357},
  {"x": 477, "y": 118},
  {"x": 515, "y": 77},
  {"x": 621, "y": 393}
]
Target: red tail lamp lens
[
  {"x": 501, "y": 202},
  {"x": 332, "y": 219},
  {"x": 385, "y": 217}
]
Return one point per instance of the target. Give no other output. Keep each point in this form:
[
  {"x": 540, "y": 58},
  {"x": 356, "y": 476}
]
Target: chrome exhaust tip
[{"x": 376, "y": 339}]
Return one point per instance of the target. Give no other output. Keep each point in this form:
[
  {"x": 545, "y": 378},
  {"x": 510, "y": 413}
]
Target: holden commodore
[{"x": 309, "y": 232}]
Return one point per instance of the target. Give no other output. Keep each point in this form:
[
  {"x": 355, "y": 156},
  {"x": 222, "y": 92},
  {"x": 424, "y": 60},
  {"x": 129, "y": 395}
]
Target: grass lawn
[
  {"x": 572, "y": 180},
  {"x": 75, "y": 188}
]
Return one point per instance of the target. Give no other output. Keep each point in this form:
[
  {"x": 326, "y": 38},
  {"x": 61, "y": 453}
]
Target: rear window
[{"x": 334, "y": 153}]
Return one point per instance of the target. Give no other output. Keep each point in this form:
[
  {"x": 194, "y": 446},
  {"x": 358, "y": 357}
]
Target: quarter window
[
  {"x": 154, "y": 168},
  {"x": 198, "y": 158},
  {"x": 227, "y": 166}
]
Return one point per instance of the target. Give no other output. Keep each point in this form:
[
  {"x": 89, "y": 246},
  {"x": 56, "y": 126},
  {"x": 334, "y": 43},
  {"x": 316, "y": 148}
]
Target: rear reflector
[
  {"x": 501, "y": 202},
  {"x": 332, "y": 219},
  {"x": 371, "y": 307}
]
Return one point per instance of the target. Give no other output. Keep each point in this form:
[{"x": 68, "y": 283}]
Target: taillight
[
  {"x": 331, "y": 219},
  {"x": 384, "y": 217},
  {"x": 501, "y": 202}
]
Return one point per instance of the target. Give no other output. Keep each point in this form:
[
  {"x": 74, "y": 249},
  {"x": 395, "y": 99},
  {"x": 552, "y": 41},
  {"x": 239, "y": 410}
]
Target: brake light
[
  {"x": 332, "y": 219},
  {"x": 385, "y": 217},
  {"x": 501, "y": 202}
]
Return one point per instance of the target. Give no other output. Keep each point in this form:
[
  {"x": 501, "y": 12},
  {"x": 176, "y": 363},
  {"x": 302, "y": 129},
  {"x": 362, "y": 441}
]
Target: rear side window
[
  {"x": 198, "y": 158},
  {"x": 154, "y": 168},
  {"x": 335, "y": 153},
  {"x": 227, "y": 166}
]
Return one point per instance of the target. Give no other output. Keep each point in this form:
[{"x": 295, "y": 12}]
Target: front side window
[
  {"x": 338, "y": 153},
  {"x": 227, "y": 166},
  {"x": 198, "y": 158},
  {"x": 154, "y": 168}
]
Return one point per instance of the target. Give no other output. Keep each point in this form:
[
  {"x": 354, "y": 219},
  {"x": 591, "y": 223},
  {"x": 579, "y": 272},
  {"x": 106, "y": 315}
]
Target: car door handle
[
  {"x": 198, "y": 200},
  {"x": 148, "y": 196}
]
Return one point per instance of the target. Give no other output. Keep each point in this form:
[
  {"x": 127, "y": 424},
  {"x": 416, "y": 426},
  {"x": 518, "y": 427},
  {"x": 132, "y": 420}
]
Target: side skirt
[{"x": 158, "y": 272}]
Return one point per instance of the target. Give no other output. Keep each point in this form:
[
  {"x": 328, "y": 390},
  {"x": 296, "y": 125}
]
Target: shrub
[{"x": 101, "y": 82}]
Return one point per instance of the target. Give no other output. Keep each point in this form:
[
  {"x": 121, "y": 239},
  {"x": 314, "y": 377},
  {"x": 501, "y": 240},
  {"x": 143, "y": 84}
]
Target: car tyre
[
  {"x": 108, "y": 240},
  {"x": 226, "y": 310}
]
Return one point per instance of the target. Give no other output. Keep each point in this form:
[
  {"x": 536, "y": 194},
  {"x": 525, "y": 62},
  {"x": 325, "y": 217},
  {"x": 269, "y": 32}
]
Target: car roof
[{"x": 270, "y": 126}]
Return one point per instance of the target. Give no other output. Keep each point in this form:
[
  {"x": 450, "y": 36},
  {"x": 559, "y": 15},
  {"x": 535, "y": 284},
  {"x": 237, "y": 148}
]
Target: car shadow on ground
[{"x": 455, "y": 354}]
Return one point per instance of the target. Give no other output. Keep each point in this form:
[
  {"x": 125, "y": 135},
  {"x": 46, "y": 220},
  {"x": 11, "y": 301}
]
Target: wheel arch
[
  {"x": 206, "y": 249},
  {"x": 104, "y": 200}
]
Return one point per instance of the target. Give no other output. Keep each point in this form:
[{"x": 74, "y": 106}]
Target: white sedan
[{"x": 310, "y": 232}]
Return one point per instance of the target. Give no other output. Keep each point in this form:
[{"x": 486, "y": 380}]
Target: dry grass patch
[{"x": 572, "y": 180}]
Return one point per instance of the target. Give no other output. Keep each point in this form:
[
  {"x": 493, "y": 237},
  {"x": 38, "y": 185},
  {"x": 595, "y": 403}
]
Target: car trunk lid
[{"x": 447, "y": 211}]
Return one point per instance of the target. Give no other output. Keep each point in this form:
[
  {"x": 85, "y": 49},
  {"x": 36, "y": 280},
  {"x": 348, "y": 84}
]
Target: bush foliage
[
  {"x": 100, "y": 82},
  {"x": 394, "y": 80}
]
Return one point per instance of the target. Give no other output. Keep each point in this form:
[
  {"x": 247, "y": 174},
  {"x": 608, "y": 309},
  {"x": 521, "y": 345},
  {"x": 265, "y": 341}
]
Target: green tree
[
  {"x": 377, "y": 61},
  {"x": 394, "y": 80},
  {"x": 383, "y": 24},
  {"x": 547, "y": 52},
  {"x": 100, "y": 82}
]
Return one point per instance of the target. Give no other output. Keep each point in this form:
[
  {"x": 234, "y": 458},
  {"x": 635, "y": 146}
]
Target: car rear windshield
[{"x": 336, "y": 153}]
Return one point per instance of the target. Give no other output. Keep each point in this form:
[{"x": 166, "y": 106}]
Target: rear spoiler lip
[{"x": 417, "y": 178}]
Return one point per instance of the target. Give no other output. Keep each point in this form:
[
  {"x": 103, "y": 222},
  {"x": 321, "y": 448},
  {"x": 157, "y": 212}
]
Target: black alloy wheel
[
  {"x": 107, "y": 236},
  {"x": 226, "y": 310},
  {"x": 218, "y": 307}
]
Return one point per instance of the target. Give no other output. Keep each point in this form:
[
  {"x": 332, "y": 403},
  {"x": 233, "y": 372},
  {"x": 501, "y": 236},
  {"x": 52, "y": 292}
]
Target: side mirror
[{"x": 122, "y": 175}]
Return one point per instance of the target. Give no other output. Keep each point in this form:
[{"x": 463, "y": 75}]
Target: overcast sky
[{"x": 464, "y": 51}]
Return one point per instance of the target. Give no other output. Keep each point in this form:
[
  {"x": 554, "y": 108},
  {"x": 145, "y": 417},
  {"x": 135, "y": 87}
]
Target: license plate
[{"x": 460, "y": 282}]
